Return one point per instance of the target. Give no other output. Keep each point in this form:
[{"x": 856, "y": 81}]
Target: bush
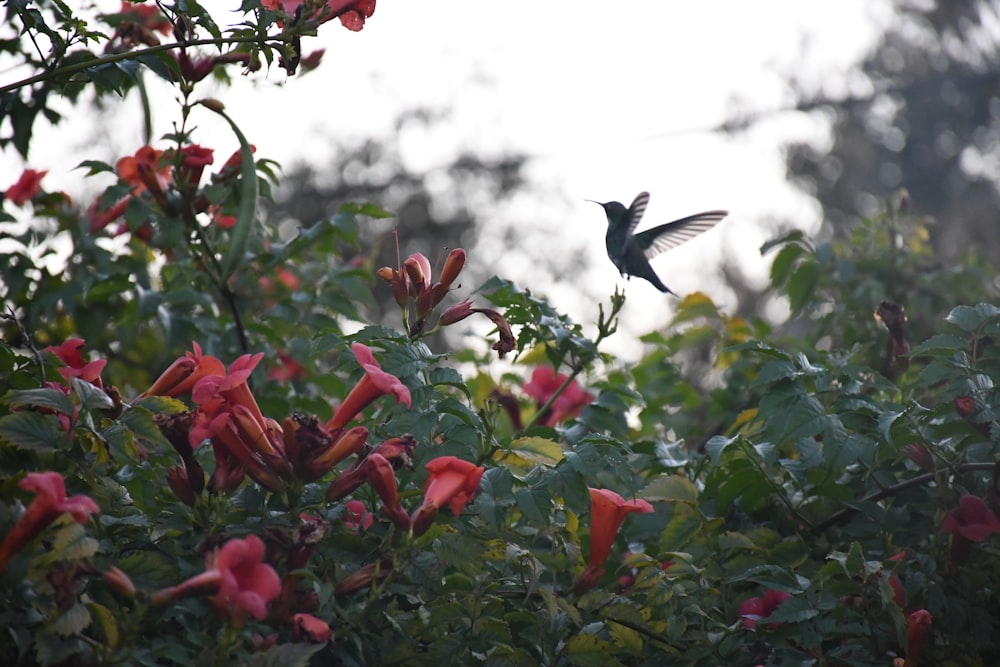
[{"x": 207, "y": 458}]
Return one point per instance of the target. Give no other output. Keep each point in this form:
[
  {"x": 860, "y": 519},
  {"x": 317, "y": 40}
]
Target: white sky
[{"x": 610, "y": 98}]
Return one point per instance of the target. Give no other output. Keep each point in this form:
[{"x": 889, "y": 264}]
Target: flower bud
[
  {"x": 119, "y": 582},
  {"x": 920, "y": 455}
]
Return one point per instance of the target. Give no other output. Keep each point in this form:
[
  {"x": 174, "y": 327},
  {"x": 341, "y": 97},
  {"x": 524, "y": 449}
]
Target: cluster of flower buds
[{"x": 413, "y": 280}]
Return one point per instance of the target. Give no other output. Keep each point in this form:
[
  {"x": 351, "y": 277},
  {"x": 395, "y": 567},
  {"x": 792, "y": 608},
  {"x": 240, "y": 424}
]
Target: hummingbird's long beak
[{"x": 594, "y": 202}]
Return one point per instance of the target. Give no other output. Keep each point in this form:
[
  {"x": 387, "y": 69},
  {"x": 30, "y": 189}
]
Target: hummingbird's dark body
[{"x": 631, "y": 252}]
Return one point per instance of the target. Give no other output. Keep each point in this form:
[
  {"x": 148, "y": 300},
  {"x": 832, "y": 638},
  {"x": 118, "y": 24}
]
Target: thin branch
[
  {"x": 846, "y": 513},
  {"x": 75, "y": 68}
]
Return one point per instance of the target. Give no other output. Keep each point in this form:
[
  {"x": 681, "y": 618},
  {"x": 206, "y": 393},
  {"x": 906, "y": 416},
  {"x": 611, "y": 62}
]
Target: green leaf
[
  {"x": 539, "y": 451},
  {"x": 972, "y": 318},
  {"x": 91, "y": 397},
  {"x": 140, "y": 422},
  {"x": 73, "y": 621},
  {"x": 370, "y": 210},
  {"x": 246, "y": 214},
  {"x": 783, "y": 263},
  {"x": 773, "y": 576},
  {"x": 796, "y": 236},
  {"x": 73, "y": 543},
  {"x": 30, "y": 430},
  {"x": 161, "y": 63},
  {"x": 748, "y": 485},
  {"x": 52, "y": 399},
  {"x": 590, "y": 651},
  {"x": 528, "y": 501},
  {"x": 109, "y": 625},
  {"x": 683, "y": 526},
  {"x": 716, "y": 445},
  {"x": 96, "y": 167},
  {"x": 802, "y": 285},
  {"x": 670, "y": 488},
  {"x": 793, "y": 610},
  {"x": 283, "y": 655},
  {"x": 942, "y": 344}
]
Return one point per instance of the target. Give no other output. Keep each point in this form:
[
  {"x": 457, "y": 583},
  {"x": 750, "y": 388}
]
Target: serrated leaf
[
  {"x": 52, "y": 399},
  {"x": 685, "y": 523},
  {"x": 774, "y": 370},
  {"x": 528, "y": 502},
  {"x": 30, "y": 430},
  {"x": 716, "y": 445},
  {"x": 793, "y": 610},
  {"x": 942, "y": 344},
  {"x": 748, "y": 485},
  {"x": 541, "y": 451},
  {"x": 73, "y": 543},
  {"x": 731, "y": 541},
  {"x": 625, "y": 637},
  {"x": 161, "y": 405},
  {"x": 670, "y": 488},
  {"x": 590, "y": 651},
  {"x": 140, "y": 422},
  {"x": 971, "y": 318},
  {"x": 73, "y": 621},
  {"x": 283, "y": 655},
  {"x": 772, "y": 576},
  {"x": 449, "y": 377},
  {"x": 91, "y": 396}
]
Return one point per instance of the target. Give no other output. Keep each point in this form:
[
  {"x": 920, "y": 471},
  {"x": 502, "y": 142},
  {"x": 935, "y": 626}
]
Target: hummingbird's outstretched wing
[
  {"x": 633, "y": 215},
  {"x": 672, "y": 234}
]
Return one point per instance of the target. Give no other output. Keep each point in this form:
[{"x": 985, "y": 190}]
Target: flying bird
[{"x": 631, "y": 252}]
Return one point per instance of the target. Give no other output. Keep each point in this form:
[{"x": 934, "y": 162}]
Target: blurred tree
[
  {"x": 932, "y": 127},
  {"x": 434, "y": 210}
]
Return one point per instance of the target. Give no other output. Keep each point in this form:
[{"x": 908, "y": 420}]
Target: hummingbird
[{"x": 631, "y": 252}]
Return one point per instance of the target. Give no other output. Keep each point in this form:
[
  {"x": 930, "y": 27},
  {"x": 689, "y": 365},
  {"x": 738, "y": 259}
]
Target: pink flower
[
  {"x": 373, "y": 384},
  {"x": 755, "y": 609},
  {"x": 382, "y": 477},
  {"x": 607, "y": 512},
  {"x": 352, "y": 13},
  {"x": 228, "y": 414},
  {"x": 69, "y": 354},
  {"x": 970, "y": 522},
  {"x": 918, "y": 627},
  {"x": 397, "y": 451},
  {"x": 452, "y": 482},
  {"x": 247, "y": 584},
  {"x": 464, "y": 309},
  {"x": 544, "y": 384},
  {"x": 145, "y": 15},
  {"x": 181, "y": 376},
  {"x": 194, "y": 159},
  {"x": 356, "y": 516},
  {"x": 49, "y": 504},
  {"x": 26, "y": 187},
  {"x": 310, "y": 628}
]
